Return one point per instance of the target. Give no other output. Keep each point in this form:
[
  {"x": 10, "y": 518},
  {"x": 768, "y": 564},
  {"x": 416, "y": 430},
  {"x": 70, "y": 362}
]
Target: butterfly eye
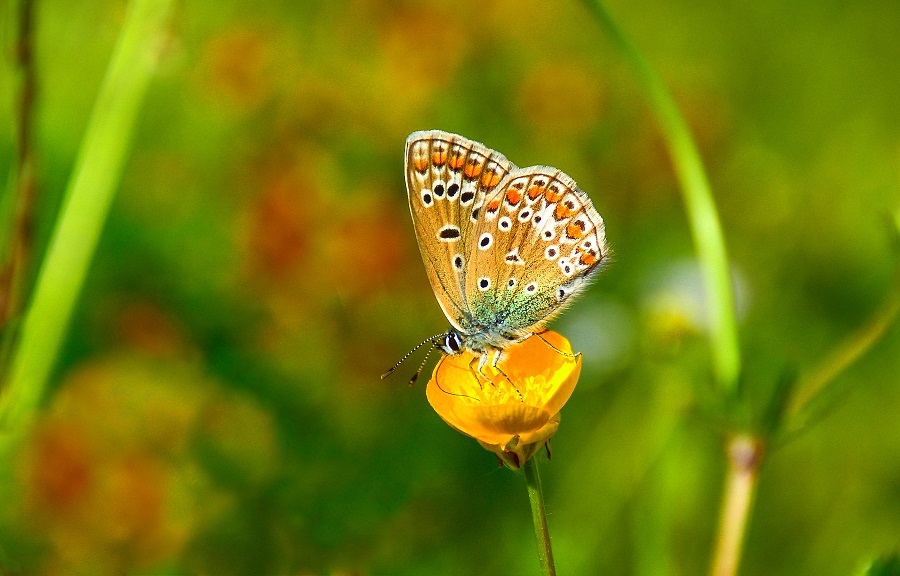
[
  {"x": 427, "y": 199},
  {"x": 561, "y": 294},
  {"x": 484, "y": 283},
  {"x": 485, "y": 241},
  {"x": 565, "y": 266},
  {"x": 458, "y": 262},
  {"x": 504, "y": 223},
  {"x": 452, "y": 190},
  {"x": 466, "y": 197},
  {"x": 524, "y": 215},
  {"x": 452, "y": 343},
  {"x": 548, "y": 234},
  {"x": 438, "y": 189},
  {"x": 551, "y": 252},
  {"x": 511, "y": 283},
  {"x": 531, "y": 287}
]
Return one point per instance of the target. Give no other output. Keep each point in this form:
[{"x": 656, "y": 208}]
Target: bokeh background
[{"x": 218, "y": 408}]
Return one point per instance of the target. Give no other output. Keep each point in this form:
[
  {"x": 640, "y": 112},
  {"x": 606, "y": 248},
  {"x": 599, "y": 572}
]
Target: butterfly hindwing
[
  {"x": 447, "y": 180},
  {"x": 538, "y": 240}
]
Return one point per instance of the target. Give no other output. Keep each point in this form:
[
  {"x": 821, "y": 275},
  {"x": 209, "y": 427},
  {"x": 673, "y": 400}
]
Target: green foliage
[
  {"x": 216, "y": 408},
  {"x": 885, "y": 566}
]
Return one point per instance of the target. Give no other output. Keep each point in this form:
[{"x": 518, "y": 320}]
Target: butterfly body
[{"x": 506, "y": 248}]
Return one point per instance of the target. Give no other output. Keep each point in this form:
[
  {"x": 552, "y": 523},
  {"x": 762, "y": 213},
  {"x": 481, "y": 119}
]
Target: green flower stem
[
  {"x": 745, "y": 455},
  {"x": 699, "y": 204},
  {"x": 86, "y": 203},
  {"x": 541, "y": 532}
]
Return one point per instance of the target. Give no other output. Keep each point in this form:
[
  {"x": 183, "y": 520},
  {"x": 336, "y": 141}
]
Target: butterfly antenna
[
  {"x": 547, "y": 342},
  {"x": 408, "y": 354},
  {"x": 422, "y": 365}
]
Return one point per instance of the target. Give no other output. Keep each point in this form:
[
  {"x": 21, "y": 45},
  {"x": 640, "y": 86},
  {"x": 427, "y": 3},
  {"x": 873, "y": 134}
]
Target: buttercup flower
[{"x": 511, "y": 417}]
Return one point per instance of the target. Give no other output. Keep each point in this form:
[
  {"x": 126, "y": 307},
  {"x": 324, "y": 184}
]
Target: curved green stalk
[
  {"x": 701, "y": 209},
  {"x": 84, "y": 209},
  {"x": 821, "y": 380},
  {"x": 541, "y": 532}
]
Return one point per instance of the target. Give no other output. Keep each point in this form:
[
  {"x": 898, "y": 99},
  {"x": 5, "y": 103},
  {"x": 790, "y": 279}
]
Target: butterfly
[{"x": 506, "y": 248}]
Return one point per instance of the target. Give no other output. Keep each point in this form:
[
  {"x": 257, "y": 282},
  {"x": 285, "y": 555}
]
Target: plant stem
[
  {"x": 745, "y": 455},
  {"x": 86, "y": 203},
  {"x": 22, "y": 188},
  {"x": 698, "y": 200},
  {"x": 541, "y": 532}
]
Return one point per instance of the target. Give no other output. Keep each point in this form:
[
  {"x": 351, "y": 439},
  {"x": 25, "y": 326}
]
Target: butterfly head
[{"x": 451, "y": 343}]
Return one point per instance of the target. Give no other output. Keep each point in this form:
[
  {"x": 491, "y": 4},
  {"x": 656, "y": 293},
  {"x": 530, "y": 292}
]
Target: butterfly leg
[
  {"x": 494, "y": 357},
  {"x": 476, "y": 373},
  {"x": 482, "y": 362},
  {"x": 498, "y": 353}
]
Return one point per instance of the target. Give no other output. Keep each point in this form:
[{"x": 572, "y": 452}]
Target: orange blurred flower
[{"x": 511, "y": 417}]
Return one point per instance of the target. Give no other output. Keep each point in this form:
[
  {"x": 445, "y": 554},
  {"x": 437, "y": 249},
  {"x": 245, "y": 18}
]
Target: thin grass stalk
[
  {"x": 84, "y": 209},
  {"x": 699, "y": 205},
  {"x": 19, "y": 204}
]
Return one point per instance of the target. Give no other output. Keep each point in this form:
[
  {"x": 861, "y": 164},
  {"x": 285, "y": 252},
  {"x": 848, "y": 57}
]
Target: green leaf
[{"x": 885, "y": 566}]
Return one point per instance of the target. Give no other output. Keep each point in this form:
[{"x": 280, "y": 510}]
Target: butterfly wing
[
  {"x": 447, "y": 180},
  {"x": 538, "y": 241}
]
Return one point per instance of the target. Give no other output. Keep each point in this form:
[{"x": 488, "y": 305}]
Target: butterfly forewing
[
  {"x": 538, "y": 240},
  {"x": 447, "y": 180}
]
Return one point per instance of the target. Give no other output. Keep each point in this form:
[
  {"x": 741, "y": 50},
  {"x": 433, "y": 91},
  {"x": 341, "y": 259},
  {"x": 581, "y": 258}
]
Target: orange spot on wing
[
  {"x": 575, "y": 230},
  {"x": 513, "y": 196},
  {"x": 474, "y": 166},
  {"x": 534, "y": 192},
  {"x": 552, "y": 196},
  {"x": 587, "y": 259},
  {"x": 493, "y": 206},
  {"x": 457, "y": 158},
  {"x": 490, "y": 179},
  {"x": 439, "y": 157},
  {"x": 421, "y": 163},
  {"x": 562, "y": 211}
]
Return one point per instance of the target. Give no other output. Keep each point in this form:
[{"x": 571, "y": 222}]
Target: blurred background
[{"x": 218, "y": 408}]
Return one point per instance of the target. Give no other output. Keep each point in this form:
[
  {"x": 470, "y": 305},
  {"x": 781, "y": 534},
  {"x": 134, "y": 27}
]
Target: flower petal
[
  {"x": 520, "y": 400},
  {"x": 492, "y": 423}
]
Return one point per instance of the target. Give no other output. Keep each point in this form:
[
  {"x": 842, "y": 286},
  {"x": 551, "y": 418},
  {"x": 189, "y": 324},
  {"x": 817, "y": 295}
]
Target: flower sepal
[{"x": 515, "y": 453}]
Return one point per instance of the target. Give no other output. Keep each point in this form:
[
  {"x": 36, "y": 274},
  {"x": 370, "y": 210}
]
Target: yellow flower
[{"x": 511, "y": 417}]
